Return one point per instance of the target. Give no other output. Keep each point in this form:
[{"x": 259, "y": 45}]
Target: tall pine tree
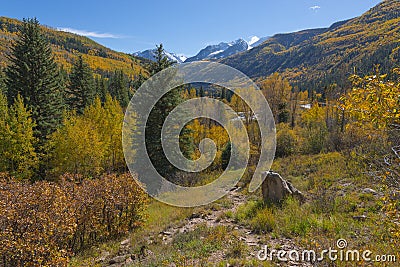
[
  {"x": 34, "y": 75},
  {"x": 156, "y": 119},
  {"x": 119, "y": 88},
  {"x": 101, "y": 88},
  {"x": 81, "y": 89},
  {"x": 3, "y": 88}
]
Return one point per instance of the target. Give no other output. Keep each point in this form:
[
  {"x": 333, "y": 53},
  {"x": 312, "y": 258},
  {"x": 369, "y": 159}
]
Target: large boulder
[{"x": 275, "y": 189}]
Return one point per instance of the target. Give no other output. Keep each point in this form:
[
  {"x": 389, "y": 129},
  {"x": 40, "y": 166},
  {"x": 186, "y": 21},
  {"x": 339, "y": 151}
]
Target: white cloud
[
  {"x": 89, "y": 34},
  {"x": 315, "y": 8}
]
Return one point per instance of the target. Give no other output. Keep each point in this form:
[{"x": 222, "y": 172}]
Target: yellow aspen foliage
[
  {"x": 314, "y": 129},
  {"x": 17, "y": 152},
  {"x": 373, "y": 101},
  {"x": 276, "y": 90},
  {"x": 77, "y": 147},
  {"x": 91, "y": 143}
]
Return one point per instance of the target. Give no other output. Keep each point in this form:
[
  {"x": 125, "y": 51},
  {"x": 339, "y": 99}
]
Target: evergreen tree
[
  {"x": 155, "y": 122},
  {"x": 81, "y": 90},
  {"x": 34, "y": 75},
  {"x": 101, "y": 88},
  {"x": 223, "y": 93},
  {"x": 161, "y": 61},
  {"x": 119, "y": 88},
  {"x": 226, "y": 155},
  {"x": 202, "y": 94},
  {"x": 3, "y": 87},
  {"x": 138, "y": 81}
]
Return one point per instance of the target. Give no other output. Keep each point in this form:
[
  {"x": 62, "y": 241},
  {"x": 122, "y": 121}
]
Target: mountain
[
  {"x": 150, "y": 54},
  {"x": 319, "y": 57},
  {"x": 66, "y": 46},
  {"x": 220, "y": 50},
  {"x": 256, "y": 41}
]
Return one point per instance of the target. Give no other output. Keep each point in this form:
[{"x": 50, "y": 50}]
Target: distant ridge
[
  {"x": 319, "y": 57},
  {"x": 66, "y": 46}
]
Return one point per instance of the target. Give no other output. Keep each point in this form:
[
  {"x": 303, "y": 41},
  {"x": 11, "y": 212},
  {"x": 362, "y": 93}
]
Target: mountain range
[
  {"x": 210, "y": 52},
  {"x": 313, "y": 58},
  {"x": 151, "y": 54},
  {"x": 318, "y": 58}
]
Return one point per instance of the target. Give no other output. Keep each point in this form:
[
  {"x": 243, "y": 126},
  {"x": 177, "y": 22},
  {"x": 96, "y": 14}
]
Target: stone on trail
[{"x": 275, "y": 189}]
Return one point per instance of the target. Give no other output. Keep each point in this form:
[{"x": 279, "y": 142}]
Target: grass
[
  {"x": 159, "y": 217},
  {"x": 335, "y": 199}
]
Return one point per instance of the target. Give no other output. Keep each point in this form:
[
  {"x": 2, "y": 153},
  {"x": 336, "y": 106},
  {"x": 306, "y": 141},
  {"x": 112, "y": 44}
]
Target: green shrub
[
  {"x": 248, "y": 210},
  {"x": 286, "y": 141},
  {"x": 264, "y": 221}
]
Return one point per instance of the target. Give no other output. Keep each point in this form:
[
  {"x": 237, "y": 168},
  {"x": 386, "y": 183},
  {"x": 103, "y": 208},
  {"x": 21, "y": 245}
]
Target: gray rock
[
  {"x": 275, "y": 189},
  {"x": 360, "y": 217},
  {"x": 369, "y": 191},
  {"x": 118, "y": 259},
  {"x": 166, "y": 233},
  {"x": 126, "y": 242},
  {"x": 103, "y": 257}
]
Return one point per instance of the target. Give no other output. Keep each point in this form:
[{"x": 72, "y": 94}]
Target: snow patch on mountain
[{"x": 151, "y": 53}]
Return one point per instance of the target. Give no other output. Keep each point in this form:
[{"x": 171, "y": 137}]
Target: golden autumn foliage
[
  {"x": 373, "y": 101},
  {"x": 44, "y": 223},
  {"x": 17, "y": 153},
  {"x": 91, "y": 143},
  {"x": 67, "y": 46}
]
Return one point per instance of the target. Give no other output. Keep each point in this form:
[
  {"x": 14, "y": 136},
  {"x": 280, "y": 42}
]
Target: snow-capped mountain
[
  {"x": 211, "y": 52},
  {"x": 223, "y": 50},
  {"x": 256, "y": 41},
  {"x": 150, "y": 54},
  {"x": 220, "y": 50}
]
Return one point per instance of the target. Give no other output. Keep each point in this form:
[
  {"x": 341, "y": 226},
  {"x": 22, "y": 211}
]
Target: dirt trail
[{"x": 212, "y": 218}]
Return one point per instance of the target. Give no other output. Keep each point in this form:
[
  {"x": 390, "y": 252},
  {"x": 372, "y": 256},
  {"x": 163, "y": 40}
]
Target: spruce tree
[
  {"x": 119, "y": 88},
  {"x": 155, "y": 123},
  {"x": 81, "y": 90},
  {"x": 161, "y": 60},
  {"x": 226, "y": 155},
  {"x": 101, "y": 88},
  {"x": 34, "y": 75},
  {"x": 3, "y": 88},
  {"x": 201, "y": 93}
]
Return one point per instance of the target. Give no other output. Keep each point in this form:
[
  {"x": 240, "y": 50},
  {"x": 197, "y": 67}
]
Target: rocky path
[{"x": 212, "y": 218}]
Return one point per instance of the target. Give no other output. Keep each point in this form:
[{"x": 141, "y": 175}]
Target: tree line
[{"x": 38, "y": 98}]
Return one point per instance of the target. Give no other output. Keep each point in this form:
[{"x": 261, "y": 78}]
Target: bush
[
  {"x": 285, "y": 141},
  {"x": 293, "y": 219},
  {"x": 264, "y": 221},
  {"x": 44, "y": 223},
  {"x": 248, "y": 210}
]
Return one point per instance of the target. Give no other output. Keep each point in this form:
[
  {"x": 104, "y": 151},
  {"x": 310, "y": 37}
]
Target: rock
[
  {"x": 166, "y": 233},
  {"x": 360, "y": 217},
  {"x": 369, "y": 191},
  {"x": 128, "y": 261},
  {"x": 103, "y": 257},
  {"x": 195, "y": 216},
  {"x": 126, "y": 242},
  {"x": 118, "y": 259},
  {"x": 275, "y": 189}
]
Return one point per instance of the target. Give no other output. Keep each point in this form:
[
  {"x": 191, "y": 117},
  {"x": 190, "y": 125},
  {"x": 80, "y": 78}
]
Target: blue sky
[{"x": 185, "y": 26}]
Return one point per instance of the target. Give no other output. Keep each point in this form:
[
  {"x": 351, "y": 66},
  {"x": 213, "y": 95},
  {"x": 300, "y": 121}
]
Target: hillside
[
  {"x": 323, "y": 56},
  {"x": 66, "y": 46}
]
